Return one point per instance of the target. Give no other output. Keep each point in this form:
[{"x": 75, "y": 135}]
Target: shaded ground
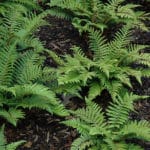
[{"x": 41, "y": 130}]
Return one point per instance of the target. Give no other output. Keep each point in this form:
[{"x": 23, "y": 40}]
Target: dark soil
[
  {"x": 60, "y": 36},
  {"x": 42, "y": 130}
]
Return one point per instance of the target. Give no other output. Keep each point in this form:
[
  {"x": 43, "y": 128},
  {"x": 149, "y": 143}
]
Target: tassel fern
[
  {"x": 22, "y": 6},
  {"x": 110, "y": 130},
  {"x": 109, "y": 69},
  {"x": 20, "y": 79},
  {"x": 97, "y": 14},
  {"x": 22, "y": 84}
]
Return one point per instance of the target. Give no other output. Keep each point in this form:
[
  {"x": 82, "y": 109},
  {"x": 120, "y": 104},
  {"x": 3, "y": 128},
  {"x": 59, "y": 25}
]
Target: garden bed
[{"x": 43, "y": 131}]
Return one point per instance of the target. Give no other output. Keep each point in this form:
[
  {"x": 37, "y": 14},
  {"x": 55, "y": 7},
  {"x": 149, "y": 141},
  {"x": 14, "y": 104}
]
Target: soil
[{"x": 41, "y": 130}]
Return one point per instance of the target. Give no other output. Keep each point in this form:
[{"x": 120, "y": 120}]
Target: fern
[
  {"x": 22, "y": 6},
  {"x": 7, "y": 58},
  {"x": 81, "y": 143},
  {"x": 22, "y": 67},
  {"x": 12, "y": 115},
  {"x": 108, "y": 131},
  {"x": 97, "y": 14},
  {"x": 136, "y": 129},
  {"x": 108, "y": 69}
]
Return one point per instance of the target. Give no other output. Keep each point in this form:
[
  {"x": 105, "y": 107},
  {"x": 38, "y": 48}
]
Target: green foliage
[
  {"x": 25, "y": 82},
  {"x": 108, "y": 131},
  {"x": 21, "y": 85},
  {"x": 22, "y": 6},
  {"x": 109, "y": 69},
  {"x": 97, "y": 14},
  {"x": 22, "y": 71},
  {"x": 3, "y": 143}
]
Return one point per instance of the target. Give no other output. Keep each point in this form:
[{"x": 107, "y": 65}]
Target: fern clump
[
  {"x": 22, "y": 70},
  {"x": 110, "y": 130},
  {"x": 97, "y": 14},
  {"x": 22, "y": 6},
  {"x": 108, "y": 69},
  {"x": 21, "y": 85}
]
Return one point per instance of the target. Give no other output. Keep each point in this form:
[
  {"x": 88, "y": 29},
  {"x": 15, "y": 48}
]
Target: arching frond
[
  {"x": 118, "y": 111},
  {"x": 98, "y": 45},
  {"x": 8, "y": 57},
  {"x": 135, "y": 129},
  {"x": 27, "y": 70},
  {"x": 108, "y": 131},
  {"x": 12, "y": 115},
  {"x": 82, "y": 143},
  {"x": 85, "y": 14}
]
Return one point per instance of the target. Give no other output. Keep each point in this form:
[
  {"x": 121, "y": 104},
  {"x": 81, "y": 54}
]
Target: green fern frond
[
  {"x": 106, "y": 66},
  {"x": 127, "y": 11},
  {"x": 22, "y": 6},
  {"x": 34, "y": 43},
  {"x": 118, "y": 111},
  {"x": 55, "y": 57},
  {"x": 94, "y": 90},
  {"x": 121, "y": 40},
  {"x": 58, "y": 12},
  {"x": 132, "y": 54},
  {"x": 78, "y": 124},
  {"x": 80, "y": 55},
  {"x": 72, "y": 77},
  {"x": 144, "y": 59},
  {"x": 21, "y": 64},
  {"x": 85, "y": 14},
  {"x": 26, "y": 68},
  {"x": 82, "y": 143},
  {"x": 30, "y": 23},
  {"x": 113, "y": 87},
  {"x": 33, "y": 89},
  {"x": 92, "y": 114},
  {"x": 14, "y": 145},
  {"x": 72, "y": 6},
  {"x": 98, "y": 45},
  {"x": 50, "y": 103},
  {"x": 28, "y": 3},
  {"x": 7, "y": 59},
  {"x": 124, "y": 78},
  {"x": 110, "y": 130},
  {"x": 145, "y": 72},
  {"x": 135, "y": 129},
  {"x": 115, "y": 145},
  {"x": 6, "y": 89},
  {"x": 114, "y": 3},
  {"x": 12, "y": 115},
  {"x": 134, "y": 147},
  {"x": 135, "y": 73}
]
